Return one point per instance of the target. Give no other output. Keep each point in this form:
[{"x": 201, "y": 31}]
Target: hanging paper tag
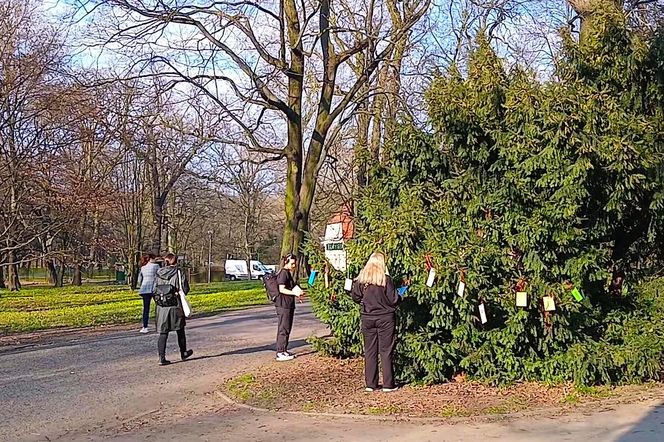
[
  {"x": 482, "y": 314},
  {"x": 577, "y": 295},
  {"x": 327, "y": 280},
  {"x": 348, "y": 286},
  {"x": 431, "y": 278},
  {"x": 549, "y": 304},
  {"x": 312, "y": 277},
  {"x": 521, "y": 299},
  {"x": 402, "y": 290},
  {"x": 461, "y": 289}
]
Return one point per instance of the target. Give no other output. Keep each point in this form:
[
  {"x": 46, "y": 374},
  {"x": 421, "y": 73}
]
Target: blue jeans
[{"x": 147, "y": 297}]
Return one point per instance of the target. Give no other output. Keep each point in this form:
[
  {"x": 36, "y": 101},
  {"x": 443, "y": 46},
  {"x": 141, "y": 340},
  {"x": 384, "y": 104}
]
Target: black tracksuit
[{"x": 378, "y": 306}]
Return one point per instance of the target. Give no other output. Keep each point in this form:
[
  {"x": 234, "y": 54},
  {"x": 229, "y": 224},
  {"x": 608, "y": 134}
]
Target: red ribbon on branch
[{"x": 429, "y": 261}]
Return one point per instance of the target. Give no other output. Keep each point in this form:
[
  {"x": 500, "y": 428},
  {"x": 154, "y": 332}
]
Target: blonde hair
[{"x": 373, "y": 272}]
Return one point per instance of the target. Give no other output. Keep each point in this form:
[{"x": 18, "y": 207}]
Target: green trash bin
[{"x": 120, "y": 276}]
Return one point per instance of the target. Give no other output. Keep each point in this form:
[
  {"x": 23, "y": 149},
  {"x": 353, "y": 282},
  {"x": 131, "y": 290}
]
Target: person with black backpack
[
  {"x": 282, "y": 290},
  {"x": 170, "y": 316}
]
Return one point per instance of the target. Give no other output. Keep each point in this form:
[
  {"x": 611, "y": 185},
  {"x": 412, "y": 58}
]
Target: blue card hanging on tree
[
  {"x": 402, "y": 290},
  {"x": 312, "y": 277}
]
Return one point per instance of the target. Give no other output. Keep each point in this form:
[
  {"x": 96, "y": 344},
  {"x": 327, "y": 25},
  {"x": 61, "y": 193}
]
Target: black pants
[
  {"x": 163, "y": 337},
  {"x": 379, "y": 337},
  {"x": 146, "y": 308},
  {"x": 285, "y": 316}
]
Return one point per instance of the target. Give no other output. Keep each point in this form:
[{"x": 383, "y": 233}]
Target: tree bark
[
  {"x": 361, "y": 149},
  {"x": 2, "y": 278},
  {"x": 587, "y": 10},
  {"x": 294, "y": 146},
  {"x": 52, "y": 273},
  {"x": 60, "y": 281},
  {"x": 13, "y": 280},
  {"x": 77, "y": 278}
]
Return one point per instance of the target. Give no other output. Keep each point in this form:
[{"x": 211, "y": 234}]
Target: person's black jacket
[{"x": 375, "y": 300}]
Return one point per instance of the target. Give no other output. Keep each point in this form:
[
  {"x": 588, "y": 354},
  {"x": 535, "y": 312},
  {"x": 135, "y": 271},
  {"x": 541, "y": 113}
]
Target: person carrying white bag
[{"x": 170, "y": 290}]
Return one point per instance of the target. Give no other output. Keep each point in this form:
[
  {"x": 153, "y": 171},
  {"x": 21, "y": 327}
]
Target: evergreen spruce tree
[{"x": 523, "y": 186}]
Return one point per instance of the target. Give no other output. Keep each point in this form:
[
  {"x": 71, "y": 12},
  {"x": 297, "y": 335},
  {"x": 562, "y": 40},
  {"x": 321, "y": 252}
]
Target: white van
[{"x": 237, "y": 269}]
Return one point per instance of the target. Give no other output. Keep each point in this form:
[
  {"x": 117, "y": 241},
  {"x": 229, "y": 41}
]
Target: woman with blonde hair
[{"x": 374, "y": 290}]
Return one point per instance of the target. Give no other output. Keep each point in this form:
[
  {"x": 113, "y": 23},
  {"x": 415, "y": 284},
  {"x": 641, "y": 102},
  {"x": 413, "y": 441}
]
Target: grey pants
[
  {"x": 379, "y": 337},
  {"x": 285, "y": 316}
]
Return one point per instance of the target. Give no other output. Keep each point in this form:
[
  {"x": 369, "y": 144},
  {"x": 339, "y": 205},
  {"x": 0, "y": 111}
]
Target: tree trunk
[
  {"x": 586, "y": 9},
  {"x": 61, "y": 275},
  {"x": 13, "y": 280},
  {"x": 77, "y": 278},
  {"x": 377, "y": 110},
  {"x": 52, "y": 273},
  {"x": 294, "y": 146},
  {"x": 2, "y": 278},
  {"x": 158, "y": 224},
  {"x": 361, "y": 149}
]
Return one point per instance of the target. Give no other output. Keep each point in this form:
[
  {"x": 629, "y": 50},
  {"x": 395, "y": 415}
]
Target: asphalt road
[
  {"x": 79, "y": 384},
  {"x": 107, "y": 385}
]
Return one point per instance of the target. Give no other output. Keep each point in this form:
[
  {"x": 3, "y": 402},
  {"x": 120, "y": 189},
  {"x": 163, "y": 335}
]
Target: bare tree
[
  {"x": 31, "y": 55},
  {"x": 256, "y": 79}
]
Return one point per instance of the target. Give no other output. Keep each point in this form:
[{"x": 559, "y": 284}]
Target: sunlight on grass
[{"x": 47, "y": 307}]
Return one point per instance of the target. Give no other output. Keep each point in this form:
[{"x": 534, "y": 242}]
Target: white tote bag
[{"x": 186, "y": 308}]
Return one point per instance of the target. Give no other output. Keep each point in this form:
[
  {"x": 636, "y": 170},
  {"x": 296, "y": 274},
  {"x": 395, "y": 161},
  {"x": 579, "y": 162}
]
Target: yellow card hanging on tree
[
  {"x": 521, "y": 299},
  {"x": 549, "y": 304}
]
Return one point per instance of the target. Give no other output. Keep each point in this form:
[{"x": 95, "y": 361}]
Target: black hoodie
[{"x": 374, "y": 299}]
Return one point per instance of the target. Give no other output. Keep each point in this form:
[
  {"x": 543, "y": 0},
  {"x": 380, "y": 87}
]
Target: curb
[
  {"x": 604, "y": 406},
  {"x": 366, "y": 417}
]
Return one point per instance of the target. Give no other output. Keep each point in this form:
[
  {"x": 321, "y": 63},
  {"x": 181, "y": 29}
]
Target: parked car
[{"x": 237, "y": 269}]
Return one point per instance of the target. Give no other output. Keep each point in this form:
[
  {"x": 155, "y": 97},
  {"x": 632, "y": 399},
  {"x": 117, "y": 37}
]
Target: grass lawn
[{"x": 42, "y": 308}]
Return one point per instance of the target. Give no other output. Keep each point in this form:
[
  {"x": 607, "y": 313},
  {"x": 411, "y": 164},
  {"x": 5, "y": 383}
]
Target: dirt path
[{"x": 642, "y": 422}]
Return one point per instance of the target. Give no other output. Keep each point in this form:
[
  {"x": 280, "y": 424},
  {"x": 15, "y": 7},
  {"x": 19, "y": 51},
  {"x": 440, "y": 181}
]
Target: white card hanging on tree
[
  {"x": 431, "y": 278},
  {"x": 482, "y": 314},
  {"x": 461, "y": 289},
  {"x": 348, "y": 285},
  {"x": 549, "y": 304},
  {"x": 521, "y": 299}
]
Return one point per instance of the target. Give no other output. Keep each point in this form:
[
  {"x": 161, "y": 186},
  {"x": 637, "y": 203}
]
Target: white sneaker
[
  {"x": 369, "y": 389},
  {"x": 390, "y": 390},
  {"x": 145, "y": 330},
  {"x": 281, "y": 357}
]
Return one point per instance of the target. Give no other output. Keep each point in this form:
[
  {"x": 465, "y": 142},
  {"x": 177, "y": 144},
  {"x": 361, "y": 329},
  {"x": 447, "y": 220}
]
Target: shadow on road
[
  {"x": 249, "y": 350},
  {"x": 649, "y": 429},
  {"x": 269, "y": 316}
]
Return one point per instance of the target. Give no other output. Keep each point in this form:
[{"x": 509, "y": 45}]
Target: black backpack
[
  {"x": 271, "y": 286},
  {"x": 165, "y": 293}
]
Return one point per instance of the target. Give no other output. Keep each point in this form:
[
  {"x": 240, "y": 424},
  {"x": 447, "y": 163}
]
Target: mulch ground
[{"x": 313, "y": 383}]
